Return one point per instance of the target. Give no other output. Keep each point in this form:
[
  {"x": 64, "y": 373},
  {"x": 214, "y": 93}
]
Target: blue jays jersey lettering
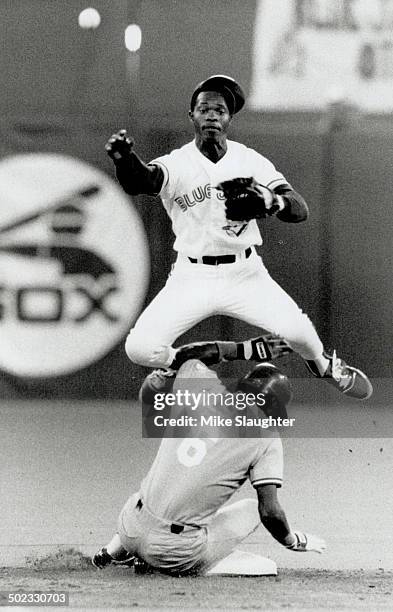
[
  {"x": 198, "y": 195},
  {"x": 196, "y": 208}
]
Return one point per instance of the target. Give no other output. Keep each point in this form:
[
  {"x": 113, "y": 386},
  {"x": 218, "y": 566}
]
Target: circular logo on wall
[{"x": 74, "y": 264}]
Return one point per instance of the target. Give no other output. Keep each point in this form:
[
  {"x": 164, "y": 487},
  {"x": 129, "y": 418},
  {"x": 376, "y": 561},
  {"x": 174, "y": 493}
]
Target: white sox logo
[{"x": 74, "y": 265}]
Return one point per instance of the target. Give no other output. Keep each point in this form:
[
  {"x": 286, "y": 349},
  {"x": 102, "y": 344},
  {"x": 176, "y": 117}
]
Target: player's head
[
  {"x": 213, "y": 103},
  {"x": 229, "y": 89},
  {"x": 267, "y": 379}
]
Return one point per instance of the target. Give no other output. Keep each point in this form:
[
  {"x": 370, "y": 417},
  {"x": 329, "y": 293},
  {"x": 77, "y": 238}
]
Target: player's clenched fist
[
  {"x": 306, "y": 542},
  {"x": 119, "y": 145}
]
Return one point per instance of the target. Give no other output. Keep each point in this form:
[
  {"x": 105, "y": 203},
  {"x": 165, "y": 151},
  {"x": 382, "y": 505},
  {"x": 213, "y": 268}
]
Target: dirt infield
[
  {"x": 60, "y": 491},
  {"x": 116, "y": 587}
]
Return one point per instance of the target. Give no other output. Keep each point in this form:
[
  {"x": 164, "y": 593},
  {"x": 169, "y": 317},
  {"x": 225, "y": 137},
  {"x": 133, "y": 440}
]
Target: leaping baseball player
[
  {"x": 213, "y": 190},
  {"x": 176, "y": 522}
]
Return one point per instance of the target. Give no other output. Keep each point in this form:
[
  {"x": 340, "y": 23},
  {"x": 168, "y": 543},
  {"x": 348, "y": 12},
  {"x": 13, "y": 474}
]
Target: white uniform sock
[{"x": 115, "y": 548}]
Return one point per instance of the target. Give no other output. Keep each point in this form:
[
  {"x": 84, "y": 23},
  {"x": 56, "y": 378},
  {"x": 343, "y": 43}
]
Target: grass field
[{"x": 307, "y": 589}]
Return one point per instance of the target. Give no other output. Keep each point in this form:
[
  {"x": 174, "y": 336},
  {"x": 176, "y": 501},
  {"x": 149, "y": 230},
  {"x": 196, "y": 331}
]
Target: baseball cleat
[
  {"x": 102, "y": 558},
  {"x": 350, "y": 381},
  {"x": 142, "y": 567}
]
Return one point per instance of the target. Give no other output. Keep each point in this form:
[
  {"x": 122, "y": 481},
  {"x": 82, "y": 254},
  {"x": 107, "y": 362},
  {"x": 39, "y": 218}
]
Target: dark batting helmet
[
  {"x": 227, "y": 86},
  {"x": 266, "y": 378}
]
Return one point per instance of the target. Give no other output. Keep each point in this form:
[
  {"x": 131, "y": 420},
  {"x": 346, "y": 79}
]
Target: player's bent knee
[
  {"x": 135, "y": 350},
  {"x": 248, "y": 506},
  {"x": 139, "y": 350},
  {"x": 244, "y": 507},
  {"x": 145, "y": 351},
  {"x": 240, "y": 518}
]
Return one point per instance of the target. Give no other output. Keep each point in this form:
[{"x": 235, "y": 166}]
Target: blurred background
[{"x": 79, "y": 259}]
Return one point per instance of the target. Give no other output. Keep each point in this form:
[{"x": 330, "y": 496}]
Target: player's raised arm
[
  {"x": 275, "y": 521},
  {"x": 294, "y": 208},
  {"x": 132, "y": 173}
]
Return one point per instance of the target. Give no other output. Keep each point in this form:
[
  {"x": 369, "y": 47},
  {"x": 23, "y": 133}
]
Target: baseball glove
[{"x": 246, "y": 199}]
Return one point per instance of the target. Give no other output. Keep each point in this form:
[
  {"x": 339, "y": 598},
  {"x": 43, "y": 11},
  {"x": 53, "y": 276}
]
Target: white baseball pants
[
  {"x": 194, "y": 291},
  {"x": 195, "y": 549}
]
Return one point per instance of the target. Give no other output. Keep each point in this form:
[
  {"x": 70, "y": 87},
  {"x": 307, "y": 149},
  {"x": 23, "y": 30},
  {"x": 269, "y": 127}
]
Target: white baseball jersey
[
  {"x": 197, "y": 209},
  {"x": 191, "y": 478}
]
